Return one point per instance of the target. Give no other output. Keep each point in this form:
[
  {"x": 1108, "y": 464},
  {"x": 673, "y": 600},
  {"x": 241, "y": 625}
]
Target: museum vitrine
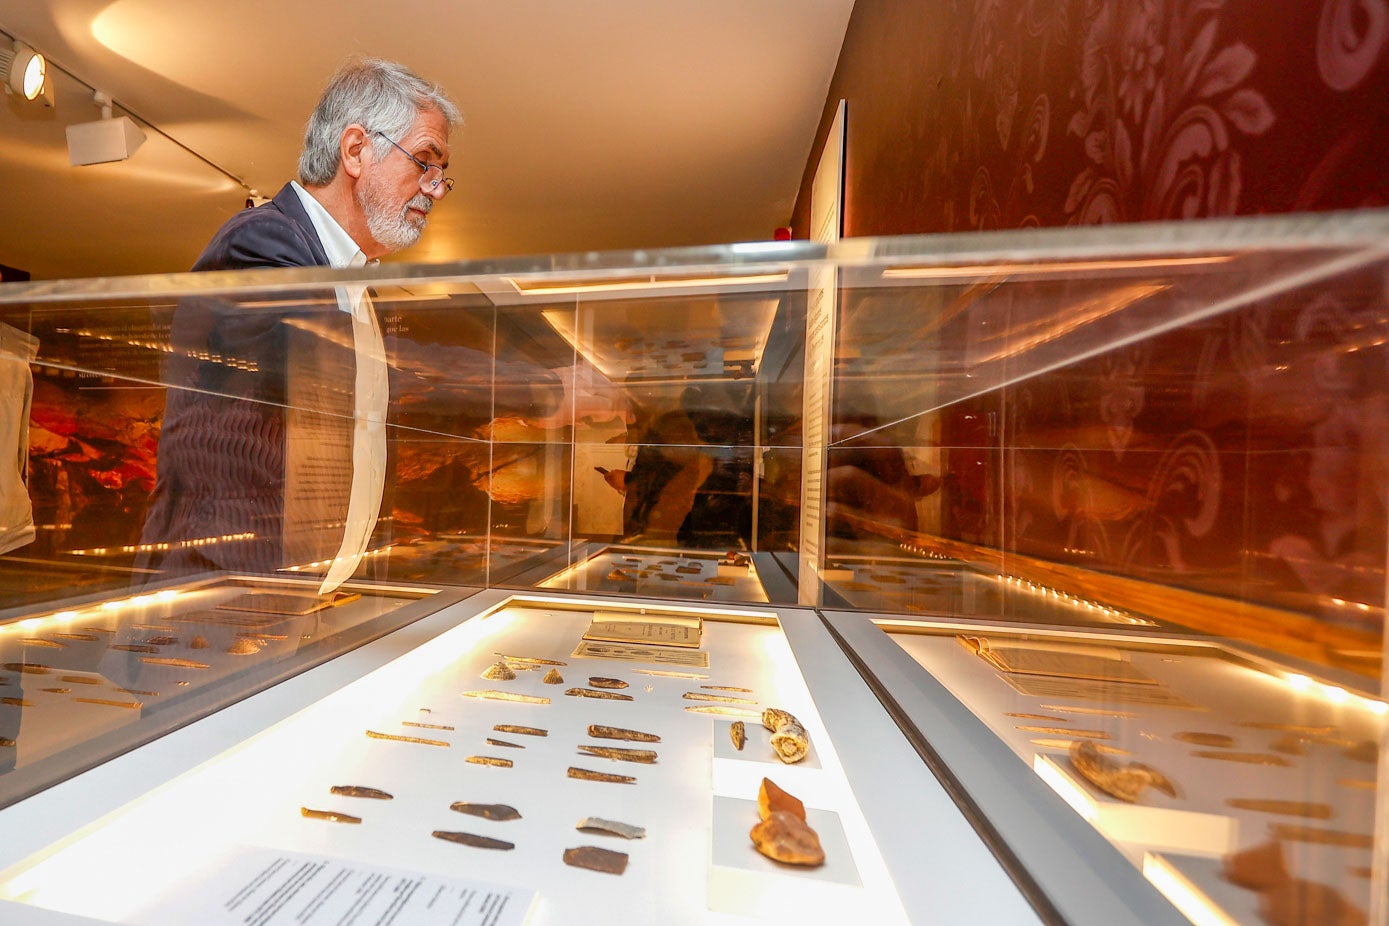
[{"x": 1095, "y": 518}]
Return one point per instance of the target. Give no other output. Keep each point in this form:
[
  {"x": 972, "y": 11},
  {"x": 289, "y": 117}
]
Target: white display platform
[{"x": 252, "y": 794}]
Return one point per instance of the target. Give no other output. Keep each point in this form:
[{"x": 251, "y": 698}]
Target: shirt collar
[{"x": 342, "y": 251}]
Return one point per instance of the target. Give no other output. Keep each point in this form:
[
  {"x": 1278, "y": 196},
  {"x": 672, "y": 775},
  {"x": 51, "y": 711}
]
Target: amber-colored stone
[
  {"x": 784, "y": 838},
  {"x": 1258, "y": 868},
  {"x": 771, "y": 799}
]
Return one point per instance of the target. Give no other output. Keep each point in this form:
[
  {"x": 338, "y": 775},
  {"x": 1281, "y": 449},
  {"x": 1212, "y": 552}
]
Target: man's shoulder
[{"x": 266, "y": 236}]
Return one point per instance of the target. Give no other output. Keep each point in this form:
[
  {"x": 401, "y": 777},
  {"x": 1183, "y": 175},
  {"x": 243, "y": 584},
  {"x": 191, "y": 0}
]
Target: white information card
[{"x": 267, "y": 887}]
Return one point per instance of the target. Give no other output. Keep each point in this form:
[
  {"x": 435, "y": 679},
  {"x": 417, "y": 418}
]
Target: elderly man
[
  {"x": 372, "y": 168},
  {"x": 272, "y": 450}
]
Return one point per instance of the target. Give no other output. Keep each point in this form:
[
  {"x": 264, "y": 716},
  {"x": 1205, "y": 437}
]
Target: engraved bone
[
  {"x": 601, "y": 732},
  {"x": 618, "y": 753}
]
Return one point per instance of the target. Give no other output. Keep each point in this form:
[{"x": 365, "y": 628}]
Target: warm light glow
[
  {"x": 1334, "y": 694},
  {"x": 24, "y": 70},
  {"x": 1299, "y": 682},
  {"x": 35, "y": 72},
  {"x": 160, "y": 547},
  {"x": 1067, "y": 788},
  {"x": 1044, "y": 267},
  {"x": 1184, "y": 895},
  {"x": 1377, "y": 707},
  {"x": 651, "y": 282}
]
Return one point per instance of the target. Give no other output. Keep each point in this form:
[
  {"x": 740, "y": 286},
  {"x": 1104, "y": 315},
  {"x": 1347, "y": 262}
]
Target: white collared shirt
[
  {"x": 368, "y": 450},
  {"x": 342, "y": 251}
]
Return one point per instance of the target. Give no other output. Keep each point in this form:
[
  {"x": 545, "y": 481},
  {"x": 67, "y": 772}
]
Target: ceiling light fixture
[
  {"x": 104, "y": 140},
  {"x": 25, "y": 71}
]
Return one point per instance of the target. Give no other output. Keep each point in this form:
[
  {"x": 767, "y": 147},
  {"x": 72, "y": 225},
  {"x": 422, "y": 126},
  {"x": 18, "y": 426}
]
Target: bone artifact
[
  {"x": 610, "y": 827},
  {"x": 596, "y": 859},
  {"x": 471, "y": 839},
  {"x": 718, "y": 699},
  {"x": 500, "y": 812},
  {"x": 618, "y": 753},
  {"x": 603, "y": 695},
  {"x": 332, "y": 816},
  {"x": 505, "y": 696},
  {"x": 599, "y": 731},
  {"x": 375, "y": 794},
  {"x": 1126, "y": 781},
  {"x": 519, "y": 730},
  {"x": 584, "y": 774},
  {"x": 499, "y": 672},
  {"x": 788, "y": 736},
  {"x": 405, "y": 739},
  {"x": 533, "y": 660}
]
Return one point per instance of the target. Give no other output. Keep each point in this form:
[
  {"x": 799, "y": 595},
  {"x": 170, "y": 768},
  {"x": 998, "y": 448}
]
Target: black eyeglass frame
[{"x": 427, "y": 185}]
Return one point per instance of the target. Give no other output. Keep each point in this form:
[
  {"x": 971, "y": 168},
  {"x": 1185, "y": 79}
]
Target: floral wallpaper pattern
[
  {"x": 975, "y": 114},
  {"x": 1243, "y": 455}
]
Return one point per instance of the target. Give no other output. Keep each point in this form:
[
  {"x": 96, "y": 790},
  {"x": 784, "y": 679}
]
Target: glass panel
[
  {"x": 104, "y": 675},
  {"x": 1188, "y": 431},
  {"x": 1240, "y": 788},
  {"x": 1172, "y": 427}
]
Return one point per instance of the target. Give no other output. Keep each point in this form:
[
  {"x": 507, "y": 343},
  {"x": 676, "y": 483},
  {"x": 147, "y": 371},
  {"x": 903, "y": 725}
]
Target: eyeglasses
[{"x": 431, "y": 175}]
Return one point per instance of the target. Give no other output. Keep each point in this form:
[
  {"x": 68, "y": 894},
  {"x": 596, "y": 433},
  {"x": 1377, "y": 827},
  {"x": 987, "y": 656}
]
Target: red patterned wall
[
  {"x": 974, "y": 114},
  {"x": 1243, "y": 456}
]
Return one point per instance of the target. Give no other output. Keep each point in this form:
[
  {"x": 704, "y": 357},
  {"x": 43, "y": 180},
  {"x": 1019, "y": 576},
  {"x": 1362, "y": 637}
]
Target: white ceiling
[{"x": 595, "y": 125}]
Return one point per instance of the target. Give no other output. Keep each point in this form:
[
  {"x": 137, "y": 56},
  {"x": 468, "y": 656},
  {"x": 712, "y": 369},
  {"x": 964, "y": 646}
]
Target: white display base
[
  {"x": 1138, "y": 824},
  {"x": 758, "y": 748},
  {"x": 747, "y": 883},
  {"x": 1197, "y": 888},
  {"x": 252, "y": 793}
]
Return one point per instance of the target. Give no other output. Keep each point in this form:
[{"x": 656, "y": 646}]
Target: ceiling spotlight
[{"x": 25, "y": 71}]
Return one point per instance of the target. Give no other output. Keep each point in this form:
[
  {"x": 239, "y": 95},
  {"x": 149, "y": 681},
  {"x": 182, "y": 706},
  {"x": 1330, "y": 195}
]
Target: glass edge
[{"x": 1321, "y": 230}]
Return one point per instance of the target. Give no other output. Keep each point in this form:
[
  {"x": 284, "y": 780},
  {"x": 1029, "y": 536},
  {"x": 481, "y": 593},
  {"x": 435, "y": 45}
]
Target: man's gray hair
[{"x": 382, "y": 96}]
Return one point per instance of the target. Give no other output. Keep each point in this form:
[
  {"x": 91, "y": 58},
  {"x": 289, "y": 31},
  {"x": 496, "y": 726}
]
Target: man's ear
[{"x": 351, "y": 145}]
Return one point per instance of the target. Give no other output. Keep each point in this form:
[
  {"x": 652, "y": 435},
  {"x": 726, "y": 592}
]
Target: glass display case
[{"x": 1088, "y": 526}]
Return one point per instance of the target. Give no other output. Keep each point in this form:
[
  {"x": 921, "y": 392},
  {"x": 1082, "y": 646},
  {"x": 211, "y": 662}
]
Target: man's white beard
[{"x": 392, "y": 229}]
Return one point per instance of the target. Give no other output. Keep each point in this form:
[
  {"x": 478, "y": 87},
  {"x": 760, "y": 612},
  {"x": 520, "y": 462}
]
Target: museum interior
[{"x": 971, "y": 416}]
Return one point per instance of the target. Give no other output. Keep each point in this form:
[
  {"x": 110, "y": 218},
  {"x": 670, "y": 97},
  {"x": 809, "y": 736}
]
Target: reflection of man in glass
[{"x": 273, "y": 440}]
